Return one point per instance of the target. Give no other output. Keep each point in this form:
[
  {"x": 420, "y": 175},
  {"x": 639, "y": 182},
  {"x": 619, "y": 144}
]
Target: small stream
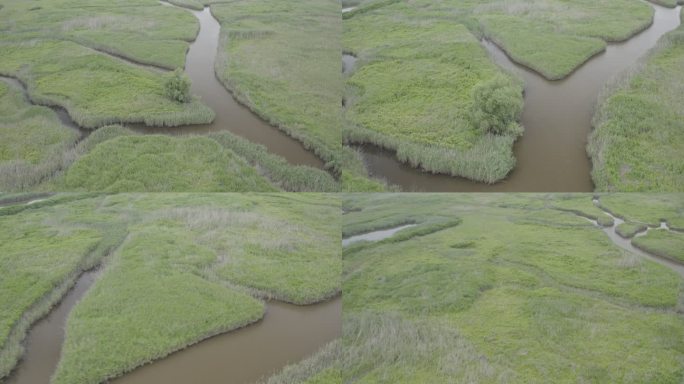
[
  {"x": 375, "y": 235},
  {"x": 626, "y": 244},
  {"x": 45, "y": 338},
  {"x": 551, "y": 155}
]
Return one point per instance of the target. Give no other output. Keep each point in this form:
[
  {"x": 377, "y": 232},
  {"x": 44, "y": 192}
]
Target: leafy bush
[
  {"x": 497, "y": 106},
  {"x": 177, "y": 86}
]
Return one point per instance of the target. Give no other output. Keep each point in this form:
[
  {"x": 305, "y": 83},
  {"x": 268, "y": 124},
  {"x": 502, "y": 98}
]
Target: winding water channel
[
  {"x": 230, "y": 115},
  {"x": 551, "y": 155},
  {"x": 626, "y": 243},
  {"x": 287, "y": 334}
]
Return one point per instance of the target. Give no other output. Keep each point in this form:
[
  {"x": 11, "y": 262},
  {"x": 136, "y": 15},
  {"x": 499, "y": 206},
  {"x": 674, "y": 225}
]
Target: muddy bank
[
  {"x": 45, "y": 338},
  {"x": 551, "y": 155},
  {"x": 375, "y": 235},
  {"x": 287, "y": 334},
  {"x": 230, "y": 115}
]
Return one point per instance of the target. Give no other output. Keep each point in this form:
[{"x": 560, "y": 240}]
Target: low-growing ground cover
[
  {"x": 32, "y": 138},
  {"x": 519, "y": 290},
  {"x": 637, "y": 141},
  {"x": 648, "y": 209},
  {"x": 204, "y": 262}
]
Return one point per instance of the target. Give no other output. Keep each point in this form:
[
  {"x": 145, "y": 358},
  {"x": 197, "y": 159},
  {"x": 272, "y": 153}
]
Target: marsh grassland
[
  {"x": 515, "y": 289},
  {"x": 637, "y": 142},
  {"x": 175, "y": 269},
  {"x": 424, "y": 88}
]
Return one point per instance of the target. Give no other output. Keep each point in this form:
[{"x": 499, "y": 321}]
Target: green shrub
[
  {"x": 496, "y": 107},
  {"x": 177, "y": 86}
]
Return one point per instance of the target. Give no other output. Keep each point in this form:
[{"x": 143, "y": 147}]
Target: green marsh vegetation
[
  {"x": 206, "y": 263},
  {"x": 418, "y": 86},
  {"x": 520, "y": 289},
  {"x": 662, "y": 242},
  {"x": 32, "y": 138},
  {"x": 68, "y": 54},
  {"x": 281, "y": 59},
  {"x": 425, "y": 88},
  {"x": 637, "y": 141},
  {"x": 115, "y": 159}
]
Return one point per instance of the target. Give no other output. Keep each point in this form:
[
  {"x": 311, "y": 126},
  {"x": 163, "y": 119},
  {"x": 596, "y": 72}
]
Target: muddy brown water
[
  {"x": 230, "y": 115},
  {"x": 375, "y": 235},
  {"x": 551, "y": 155},
  {"x": 44, "y": 341},
  {"x": 287, "y": 334}
]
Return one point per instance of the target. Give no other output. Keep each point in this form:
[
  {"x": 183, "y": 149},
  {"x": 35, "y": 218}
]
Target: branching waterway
[
  {"x": 287, "y": 334},
  {"x": 626, "y": 243},
  {"x": 230, "y": 115},
  {"x": 551, "y": 155}
]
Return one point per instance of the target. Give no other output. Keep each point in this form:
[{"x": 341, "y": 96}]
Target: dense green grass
[
  {"x": 94, "y": 88},
  {"x": 412, "y": 92},
  {"x": 140, "y": 30},
  {"x": 637, "y": 141},
  {"x": 116, "y": 159},
  {"x": 205, "y": 262},
  {"x": 32, "y": 137},
  {"x": 556, "y": 37},
  {"x": 663, "y": 243},
  {"x": 518, "y": 292},
  {"x": 163, "y": 163},
  {"x": 282, "y": 59},
  {"x": 43, "y": 249}
]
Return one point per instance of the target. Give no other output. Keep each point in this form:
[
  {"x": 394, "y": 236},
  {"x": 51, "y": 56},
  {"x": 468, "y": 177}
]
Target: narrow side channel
[{"x": 45, "y": 339}]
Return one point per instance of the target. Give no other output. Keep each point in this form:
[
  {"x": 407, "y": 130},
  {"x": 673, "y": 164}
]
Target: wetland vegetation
[
  {"x": 518, "y": 289},
  {"x": 175, "y": 269},
  {"x": 637, "y": 143}
]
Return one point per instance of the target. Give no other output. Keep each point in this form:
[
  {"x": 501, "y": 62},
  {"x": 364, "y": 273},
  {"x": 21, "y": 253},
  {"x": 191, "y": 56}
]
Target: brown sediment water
[
  {"x": 375, "y": 235},
  {"x": 551, "y": 155},
  {"x": 626, "y": 244},
  {"x": 45, "y": 338},
  {"x": 287, "y": 334},
  {"x": 230, "y": 115}
]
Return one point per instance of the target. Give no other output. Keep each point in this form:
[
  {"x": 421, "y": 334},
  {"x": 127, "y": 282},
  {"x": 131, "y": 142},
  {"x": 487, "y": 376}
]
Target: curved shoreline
[{"x": 551, "y": 155}]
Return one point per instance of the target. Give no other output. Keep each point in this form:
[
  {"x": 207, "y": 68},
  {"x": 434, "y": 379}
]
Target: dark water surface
[
  {"x": 551, "y": 155},
  {"x": 230, "y": 115},
  {"x": 45, "y": 338}
]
